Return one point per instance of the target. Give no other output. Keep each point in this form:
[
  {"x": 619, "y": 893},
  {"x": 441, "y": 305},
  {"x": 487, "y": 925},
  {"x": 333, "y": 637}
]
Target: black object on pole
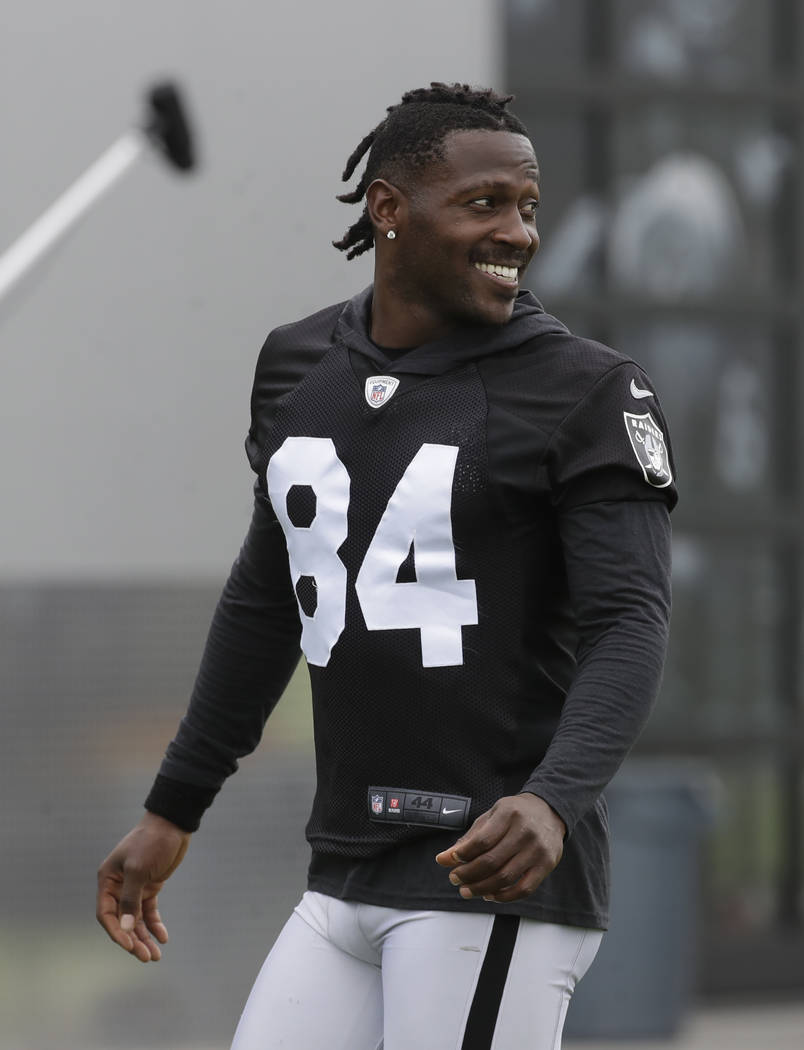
[{"x": 169, "y": 127}]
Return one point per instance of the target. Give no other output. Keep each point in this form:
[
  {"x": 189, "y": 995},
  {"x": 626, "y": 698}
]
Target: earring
[{"x": 391, "y": 235}]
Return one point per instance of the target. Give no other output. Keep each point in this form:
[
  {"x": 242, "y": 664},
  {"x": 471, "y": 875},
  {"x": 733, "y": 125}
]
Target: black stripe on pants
[{"x": 485, "y": 1006}]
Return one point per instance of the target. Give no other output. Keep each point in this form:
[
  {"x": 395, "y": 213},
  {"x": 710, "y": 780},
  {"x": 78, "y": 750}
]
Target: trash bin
[{"x": 640, "y": 984}]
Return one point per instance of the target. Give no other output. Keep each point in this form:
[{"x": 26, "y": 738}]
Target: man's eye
[
  {"x": 530, "y": 208},
  {"x": 485, "y": 202}
]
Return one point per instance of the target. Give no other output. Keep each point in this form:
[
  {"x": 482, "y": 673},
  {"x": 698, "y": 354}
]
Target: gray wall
[{"x": 126, "y": 362}]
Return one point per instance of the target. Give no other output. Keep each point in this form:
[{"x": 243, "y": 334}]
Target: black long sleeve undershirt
[{"x": 617, "y": 557}]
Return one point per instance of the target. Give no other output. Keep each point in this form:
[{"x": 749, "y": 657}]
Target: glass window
[
  {"x": 693, "y": 199},
  {"x": 740, "y": 884},
  {"x": 724, "y": 591},
  {"x": 719, "y": 41},
  {"x": 544, "y": 36}
]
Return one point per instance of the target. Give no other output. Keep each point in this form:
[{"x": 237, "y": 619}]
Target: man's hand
[
  {"x": 508, "y": 850},
  {"x": 129, "y": 880}
]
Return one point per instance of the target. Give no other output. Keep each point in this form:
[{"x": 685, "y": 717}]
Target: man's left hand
[{"x": 508, "y": 851}]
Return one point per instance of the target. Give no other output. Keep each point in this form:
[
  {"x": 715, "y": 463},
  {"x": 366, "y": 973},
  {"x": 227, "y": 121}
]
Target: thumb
[{"x": 449, "y": 857}]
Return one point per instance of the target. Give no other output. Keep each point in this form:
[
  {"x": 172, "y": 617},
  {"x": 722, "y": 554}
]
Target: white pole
[{"x": 68, "y": 208}]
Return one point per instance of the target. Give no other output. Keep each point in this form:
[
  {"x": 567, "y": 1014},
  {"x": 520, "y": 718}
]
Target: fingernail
[
  {"x": 127, "y": 923},
  {"x": 465, "y": 892},
  {"x": 454, "y": 879},
  {"x": 492, "y": 899}
]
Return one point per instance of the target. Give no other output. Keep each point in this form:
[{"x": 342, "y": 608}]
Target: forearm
[
  {"x": 619, "y": 580},
  {"x": 251, "y": 651}
]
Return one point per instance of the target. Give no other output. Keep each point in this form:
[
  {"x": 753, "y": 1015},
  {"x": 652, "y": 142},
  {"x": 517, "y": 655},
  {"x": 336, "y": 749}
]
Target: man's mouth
[{"x": 510, "y": 274}]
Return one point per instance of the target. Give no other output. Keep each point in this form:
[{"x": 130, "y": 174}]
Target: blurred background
[{"x": 669, "y": 134}]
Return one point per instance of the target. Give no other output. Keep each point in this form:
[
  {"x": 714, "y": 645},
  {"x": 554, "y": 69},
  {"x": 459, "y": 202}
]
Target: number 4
[
  {"x": 438, "y": 603},
  {"x": 418, "y": 514}
]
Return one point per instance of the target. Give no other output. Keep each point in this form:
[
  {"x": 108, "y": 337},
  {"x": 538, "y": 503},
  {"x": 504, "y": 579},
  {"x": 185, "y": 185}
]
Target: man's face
[{"x": 470, "y": 231}]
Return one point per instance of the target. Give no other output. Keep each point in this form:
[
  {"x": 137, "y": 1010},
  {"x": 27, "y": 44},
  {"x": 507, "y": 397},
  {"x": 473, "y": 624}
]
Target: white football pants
[{"x": 350, "y": 976}]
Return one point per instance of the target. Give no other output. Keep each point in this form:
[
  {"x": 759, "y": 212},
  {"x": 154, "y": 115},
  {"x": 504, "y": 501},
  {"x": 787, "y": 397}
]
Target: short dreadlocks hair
[{"x": 412, "y": 137}]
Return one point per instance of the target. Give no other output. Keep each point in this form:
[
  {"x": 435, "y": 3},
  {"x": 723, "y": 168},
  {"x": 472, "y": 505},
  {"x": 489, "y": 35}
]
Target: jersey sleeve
[
  {"x": 617, "y": 556},
  {"x": 251, "y": 651},
  {"x": 613, "y": 444},
  {"x": 265, "y": 391}
]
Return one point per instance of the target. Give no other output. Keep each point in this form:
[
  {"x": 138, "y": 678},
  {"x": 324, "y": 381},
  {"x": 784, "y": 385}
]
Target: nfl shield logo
[
  {"x": 379, "y": 389},
  {"x": 650, "y": 449},
  {"x": 377, "y": 803}
]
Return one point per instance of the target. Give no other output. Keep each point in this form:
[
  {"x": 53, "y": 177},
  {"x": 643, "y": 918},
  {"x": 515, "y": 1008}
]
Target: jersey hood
[{"x": 467, "y": 343}]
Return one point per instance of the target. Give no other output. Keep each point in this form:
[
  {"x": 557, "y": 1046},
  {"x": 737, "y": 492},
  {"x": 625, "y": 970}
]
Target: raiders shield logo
[
  {"x": 380, "y": 389},
  {"x": 648, "y": 443}
]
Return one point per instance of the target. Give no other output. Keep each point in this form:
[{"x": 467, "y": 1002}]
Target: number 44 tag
[{"x": 418, "y": 513}]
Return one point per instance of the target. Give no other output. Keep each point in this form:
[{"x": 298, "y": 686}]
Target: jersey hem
[{"x": 412, "y": 902}]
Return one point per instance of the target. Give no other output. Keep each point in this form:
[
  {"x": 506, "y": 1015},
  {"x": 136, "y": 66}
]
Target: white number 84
[{"x": 418, "y": 512}]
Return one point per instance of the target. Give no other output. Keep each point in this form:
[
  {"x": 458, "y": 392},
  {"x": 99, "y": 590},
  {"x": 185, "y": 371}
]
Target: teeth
[{"x": 510, "y": 273}]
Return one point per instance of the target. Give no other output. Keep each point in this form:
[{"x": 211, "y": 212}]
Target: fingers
[
  {"x": 145, "y": 947},
  {"x": 484, "y": 834},
  {"x": 507, "y": 852},
  {"x": 107, "y": 913},
  {"x": 153, "y": 920},
  {"x": 129, "y": 920},
  {"x": 514, "y": 878},
  {"x": 134, "y": 935},
  {"x": 498, "y": 868},
  {"x": 528, "y": 882},
  {"x": 500, "y": 879}
]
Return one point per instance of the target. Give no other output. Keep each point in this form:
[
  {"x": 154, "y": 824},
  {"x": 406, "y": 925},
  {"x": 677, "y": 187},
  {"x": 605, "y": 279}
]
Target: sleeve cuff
[
  {"x": 181, "y": 804},
  {"x": 555, "y": 804}
]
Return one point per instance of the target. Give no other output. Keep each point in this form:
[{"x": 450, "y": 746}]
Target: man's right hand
[{"x": 130, "y": 879}]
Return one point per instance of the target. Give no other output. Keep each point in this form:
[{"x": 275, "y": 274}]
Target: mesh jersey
[{"x": 447, "y": 552}]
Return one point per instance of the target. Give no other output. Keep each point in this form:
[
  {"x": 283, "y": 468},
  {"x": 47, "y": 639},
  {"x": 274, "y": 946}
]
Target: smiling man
[{"x": 461, "y": 519}]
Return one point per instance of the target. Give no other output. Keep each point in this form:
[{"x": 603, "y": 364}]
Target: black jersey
[{"x": 469, "y": 541}]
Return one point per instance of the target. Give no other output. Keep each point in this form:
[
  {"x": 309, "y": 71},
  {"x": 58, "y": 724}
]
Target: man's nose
[{"x": 513, "y": 230}]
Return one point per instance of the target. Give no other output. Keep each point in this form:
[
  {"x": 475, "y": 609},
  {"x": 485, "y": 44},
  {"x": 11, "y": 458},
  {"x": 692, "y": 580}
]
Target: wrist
[
  {"x": 155, "y": 822},
  {"x": 555, "y": 818}
]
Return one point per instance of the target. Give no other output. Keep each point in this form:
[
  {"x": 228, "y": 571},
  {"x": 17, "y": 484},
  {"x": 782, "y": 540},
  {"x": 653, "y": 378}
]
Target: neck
[{"x": 397, "y": 322}]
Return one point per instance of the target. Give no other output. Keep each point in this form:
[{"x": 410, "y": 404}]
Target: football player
[{"x": 454, "y": 488}]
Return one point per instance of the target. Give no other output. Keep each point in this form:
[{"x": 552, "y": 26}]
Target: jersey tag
[
  {"x": 404, "y": 806},
  {"x": 380, "y": 389}
]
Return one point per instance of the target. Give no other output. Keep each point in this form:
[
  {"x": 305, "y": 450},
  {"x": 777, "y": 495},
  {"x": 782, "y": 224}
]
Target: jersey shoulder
[
  {"x": 287, "y": 355},
  {"x": 544, "y": 379},
  {"x": 561, "y": 360},
  {"x": 291, "y": 349}
]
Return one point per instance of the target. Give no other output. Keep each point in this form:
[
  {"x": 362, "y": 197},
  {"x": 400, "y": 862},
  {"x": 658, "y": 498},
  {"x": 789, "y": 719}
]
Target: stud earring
[{"x": 391, "y": 235}]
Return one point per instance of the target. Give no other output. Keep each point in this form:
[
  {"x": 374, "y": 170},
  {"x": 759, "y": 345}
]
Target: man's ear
[{"x": 387, "y": 206}]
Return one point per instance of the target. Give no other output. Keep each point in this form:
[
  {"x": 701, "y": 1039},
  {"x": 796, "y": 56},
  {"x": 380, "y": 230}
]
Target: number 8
[{"x": 313, "y": 551}]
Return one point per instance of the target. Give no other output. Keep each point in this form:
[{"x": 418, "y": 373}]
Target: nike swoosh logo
[
  {"x": 452, "y": 810},
  {"x": 637, "y": 392}
]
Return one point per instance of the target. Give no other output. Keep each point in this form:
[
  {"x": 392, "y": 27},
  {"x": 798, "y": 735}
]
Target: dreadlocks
[{"x": 412, "y": 137}]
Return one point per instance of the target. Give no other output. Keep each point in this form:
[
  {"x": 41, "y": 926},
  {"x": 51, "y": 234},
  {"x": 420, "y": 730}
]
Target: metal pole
[
  {"x": 598, "y": 130},
  {"x": 787, "y": 230},
  {"x": 65, "y": 212}
]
